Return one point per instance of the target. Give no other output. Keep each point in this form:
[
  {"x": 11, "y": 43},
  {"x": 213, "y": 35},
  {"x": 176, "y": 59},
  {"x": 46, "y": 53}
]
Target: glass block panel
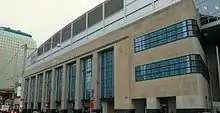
[
  {"x": 106, "y": 70},
  {"x": 166, "y": 35},
  {"x": 171, "y": 67},
  {"x": 71, "y": 81},
  {"x": 58, "y": 75},
  {"x": 87, "y": 77}
]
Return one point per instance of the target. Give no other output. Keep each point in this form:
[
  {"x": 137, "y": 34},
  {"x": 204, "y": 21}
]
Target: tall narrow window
[
  {"x": 39, "y": 88},
  {"x": 32, "y": 89},
  {"x": 106, "y": 72},
  {"x": 71, "y": 82},
  {"x": 87, "y": 77},
  {"x": 58, "y": 75},
  {"x": 48, "y": 85},
  {"x": 26, "y": 90}
]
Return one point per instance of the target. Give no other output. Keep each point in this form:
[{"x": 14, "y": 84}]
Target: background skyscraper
[{"x": 11, "y": 55}]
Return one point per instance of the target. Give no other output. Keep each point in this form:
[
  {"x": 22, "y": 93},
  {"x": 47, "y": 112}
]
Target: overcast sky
[{"x": 42, "y": 18}]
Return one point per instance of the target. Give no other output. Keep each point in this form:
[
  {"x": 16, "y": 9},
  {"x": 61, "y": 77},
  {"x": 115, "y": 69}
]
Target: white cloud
[{"x": 42, "y": 18}]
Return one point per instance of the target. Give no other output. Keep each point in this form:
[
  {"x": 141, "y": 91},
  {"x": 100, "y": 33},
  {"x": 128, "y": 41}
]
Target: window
[
  {"x": 39, "y": 85},
  {"x": 87, "y": 77},
  {"x": 58, "y": 75},
  {"x": 113, "y": 6},
  {"x": 56, "y": 39},
  {"x": 40, "y": 51},
  {"x": 72, "y": 81},
  {"x": 79, "y": 25},
  {"x": 171, "y": 67},
  {"x": 47, "y": 45},
  {"x": 106, "y": 72},
  {"x": 48, "y": 85},
  {"x": 32, "y": 89},
  {"x": 187, "y": 28},
  {"x": 95, "y": 16},
  {"x": 66, "y": 33},
  {"x": 26, "y": 85}
]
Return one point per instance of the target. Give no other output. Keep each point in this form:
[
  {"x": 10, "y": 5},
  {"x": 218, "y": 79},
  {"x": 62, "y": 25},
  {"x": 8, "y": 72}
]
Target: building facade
[{"x": 128, "y": 56}]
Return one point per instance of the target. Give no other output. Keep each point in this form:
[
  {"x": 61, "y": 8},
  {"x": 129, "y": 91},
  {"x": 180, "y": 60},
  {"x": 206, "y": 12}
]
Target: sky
[{"x": 42, "y": 18}]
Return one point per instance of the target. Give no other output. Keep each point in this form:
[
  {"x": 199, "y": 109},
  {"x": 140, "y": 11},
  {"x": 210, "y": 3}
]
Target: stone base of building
[
  {"x": 153, "y": 111},
  {"x": 180, "y": 110},
  {"x": 24, "y": 111},
  {"x": 96, "y": 111},
  {"x": 63, "y": 111},
  {"x": 78, "y": 111},
  {"x": 124, "y": 111},
  {"x": 51, "y": 111},
  {"x": 27, "y": 110},
  {"x": 192, "y": 110}
]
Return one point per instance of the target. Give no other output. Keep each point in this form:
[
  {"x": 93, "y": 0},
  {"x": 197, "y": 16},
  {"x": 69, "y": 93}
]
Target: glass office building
[
  {"x": 11, "y": 55},
  {"x": 11, "y": 59}
]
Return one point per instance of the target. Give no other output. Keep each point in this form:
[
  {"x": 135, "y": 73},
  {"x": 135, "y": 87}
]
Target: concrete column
[
  {"x": 29, "y": 93},
  {"x": 35, "y": 92},
  {"x": 122, "y": 77},
  {"x": 43, "y": 92},
  {"x": 78, "y": 92},
  {"x": 64, "y": 88},
  {"x": 53, "y": 87},
  {"x": 95, "y": 83},
  {"x": 152, "y": 105}
]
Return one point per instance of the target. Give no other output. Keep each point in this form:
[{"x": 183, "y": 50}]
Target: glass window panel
[
  {"x": 107, "y": 73},
  {"x": 172, "y": 67},
  {"x": 165, "y": 35}
]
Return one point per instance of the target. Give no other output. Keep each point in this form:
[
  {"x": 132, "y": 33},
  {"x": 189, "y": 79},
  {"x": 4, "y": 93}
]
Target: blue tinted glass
[
  {"x": 107, "y": 74},
  {"x": 165, "y": 35},
  {"x": 172, "y": 67}
]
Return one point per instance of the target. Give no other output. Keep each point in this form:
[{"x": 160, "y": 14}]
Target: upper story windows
[
  {"x": 47, "y": 45},
  {"x": 79, "y": 25},
  {"x": 40, "y": 50},
  {"x": 85, "y": 21},
  {"x": 95, "y": 16},
  {"x": 56, "y": 39},
  {"x": 181, "y": 30},
  {"x": 66, "y": 33},
  {"x": 113, "y": 6}
]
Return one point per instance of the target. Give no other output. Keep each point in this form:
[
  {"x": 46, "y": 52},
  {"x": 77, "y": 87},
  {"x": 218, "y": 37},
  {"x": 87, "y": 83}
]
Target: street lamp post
[{"x": 23, "y": 75}]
